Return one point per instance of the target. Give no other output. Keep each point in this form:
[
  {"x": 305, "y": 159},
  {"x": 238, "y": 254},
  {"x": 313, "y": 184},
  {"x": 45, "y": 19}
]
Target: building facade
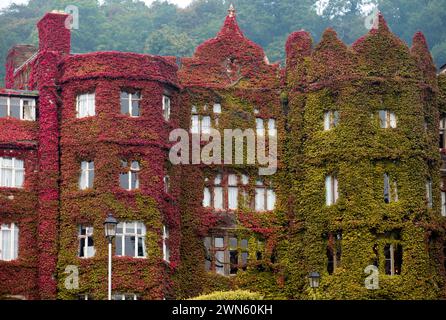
[{"x": 357, "y": 195}]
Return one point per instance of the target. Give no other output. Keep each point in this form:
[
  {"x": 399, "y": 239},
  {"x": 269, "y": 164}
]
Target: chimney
[{"x": 54, "y": 32}]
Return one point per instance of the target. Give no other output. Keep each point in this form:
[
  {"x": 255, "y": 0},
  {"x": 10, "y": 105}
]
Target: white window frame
[
  {"x": 166, "y": 107},
  {"x": 131, "y": 171},
  {"x": 267, "y": 197},
  {"x": 15, "y": 170},
  {"x": 22, "y": 113},
  {"x": 84, "y": 180},
  {"x": 166, "y": 249},
  {"x": 89, "y": 231},
  {"x": 130, "y": 99},
  {"x": 331, "y": 119},
  {"x": 391, "y": 119},
  {"x": 443, "y": 203},
  {"x": 429, "y": 199},
  {"x": 331, "y": 190},
  {"x": 136, "y": 235},
  {"x": 14, "y": 241},
  {"x": 90, "y": 105},
  {"x": 123, "y": 296}
]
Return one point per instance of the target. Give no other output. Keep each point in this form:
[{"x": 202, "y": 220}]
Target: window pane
[
  {"x": 233, "y": 256},
  {"x": 118, "y": 244},
  {"x": 6, "y": 175},
  {"x": 387, "y": 255},
  {"x": 195, "y": 125},
  {"x": 259, "y": 127},
  {"x": 124, "y": 181},
  {"x": 135, "y": 180},
  {"x": 232, "y": 180},
  {"x": 271, "y": 200},
  {"x": 443, "y": 204},
  {"x": 6, "y": 245},
  {"x": 386, "y": 188},
  {"x": 125, "y": 103},
  {"x": 141, "y": 247},
  {"x": 245, "y": 258},
  {"x": 28, "y": 109},
  {"x": 15, "y": 108},
  {"x": 383, "y": 118},
  {"x": 130, "y": 228},
  {"x": 90, "y": 248},
  {"x": 327, "y": 124},
  {"x": 219, "y": 262},
  {"x": 91, "y": 104},
  {"x": 19, "y": 178},
  {"x": 130, "y": 242},
  {"x": 219, "y": 242},
  {"x": 135, "y": 165},
  {"x": 245, "y": 179},
  {"x": 91, "y": 176},
  {"x": 3, "y": 107},
  {"x": 206, "y": 125},
  {"x": 328, "y": 191},
  {"x": 392, "y": 120},
  {"x": 272, "y": 127},
  {"x": 335, "y": 118},
  {"x": 218, "y": 198},
  {"x": 232, "y": 198},
  {"x": 244, "y": 244},
  {"x": 218, "y": 179},
  {"x": 260, "y": 199},
  {"x": 15, "y": 254},
  {"x": 206, "y": 198},
  {"x": 233, "y": 243},
  {"x": 135, "y": 108},
  {"x": 217, "y": 108}
]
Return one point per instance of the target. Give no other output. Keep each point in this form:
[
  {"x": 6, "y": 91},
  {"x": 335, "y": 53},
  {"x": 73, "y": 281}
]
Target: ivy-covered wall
[{"x": 378, "y": 72}]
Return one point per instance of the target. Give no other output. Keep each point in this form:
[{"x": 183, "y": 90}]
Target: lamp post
[
  {"x": 314, "y": 278},
  {"x": 110, "y": 224}
]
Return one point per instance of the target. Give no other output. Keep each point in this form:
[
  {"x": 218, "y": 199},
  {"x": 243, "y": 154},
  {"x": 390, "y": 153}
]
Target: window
[
  {"x": 166, "y": 181},
  {"x": 443, "y": 204},
  {"x": 83, "y": 297},
  {"x": 86, "y": 244},
  {"x": 394, "y": 256},
  {"x": 226, "y": 254},
  {"x": 429, "y": 193},
  {"x": 260, "y": 128},
  {"x": 129, "y": 179},
  {"x": 387, "y": 119},
  {"x": 12, "y": 173},
  {"x": 86, "y": 179},
  {"x": 331, "y": 190},
  {"x": 127, "y": 296},
  {"x": 9, "y": 242},
  {"x": 166, "y": 108},
  {"x": 200, "y": 124},
  {"x": 130, "y": 103},
  {"x": 130, "y": 240},
  {"x": 331, "y": 120},
  {"x": 217, "y": 112},
  {"x": 19, "y": 108},
  {"x": 334, "y": 251},
  {"x": 265, "y": 198},
  {"x": 390, "y": 189},
  {"x": 442, "y": 133},
  {"x": 222, "y": 193},
  {"x": 166, "y": 250},
  {"x": 85, "y": 105}
]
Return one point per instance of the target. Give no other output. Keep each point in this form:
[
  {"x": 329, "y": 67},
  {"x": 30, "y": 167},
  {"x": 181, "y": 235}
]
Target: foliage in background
[{"x": 163, "y": 28}]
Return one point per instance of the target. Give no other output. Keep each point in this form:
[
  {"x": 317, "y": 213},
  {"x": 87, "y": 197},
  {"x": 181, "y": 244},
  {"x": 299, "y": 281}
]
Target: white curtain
[
  {"x": 29, "y": 109},
  {"x": 272, "y": 127},
  {"x": 232, "y": 198},
  {"x": 217, "y": 108},
  {"x": 195, "y": 125},
  {"x": 392, "y": 120},
  {"x": 259, "y": 127},
  {"x": 335, "y": 190},
  {"x": 206, "y": 198},
  {"x": 328, "y": 191},
  {"x": 327, "y": 121},
  {"x": 206, "y": 125},
  {"x": 84, "y": 176},
  {"x": 260, "y": 199},
  {"x": 443, "y": 204},
  {"x": 6, "y": 243},
  {"x": 218, "y": 198},
  {"x": 271, "y": 200}
]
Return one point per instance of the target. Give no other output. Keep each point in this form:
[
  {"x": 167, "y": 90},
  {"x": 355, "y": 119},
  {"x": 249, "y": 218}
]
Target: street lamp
[
  {"x": 314, "y": 278},
  {"x": 110, "y": 224}
]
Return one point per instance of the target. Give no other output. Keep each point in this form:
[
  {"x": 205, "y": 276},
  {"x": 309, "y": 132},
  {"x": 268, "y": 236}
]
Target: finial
[{"x": 231, "y": 11}]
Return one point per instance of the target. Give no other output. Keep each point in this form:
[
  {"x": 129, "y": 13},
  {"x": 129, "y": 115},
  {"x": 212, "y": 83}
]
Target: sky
[{"x": 5, "y": 3}]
